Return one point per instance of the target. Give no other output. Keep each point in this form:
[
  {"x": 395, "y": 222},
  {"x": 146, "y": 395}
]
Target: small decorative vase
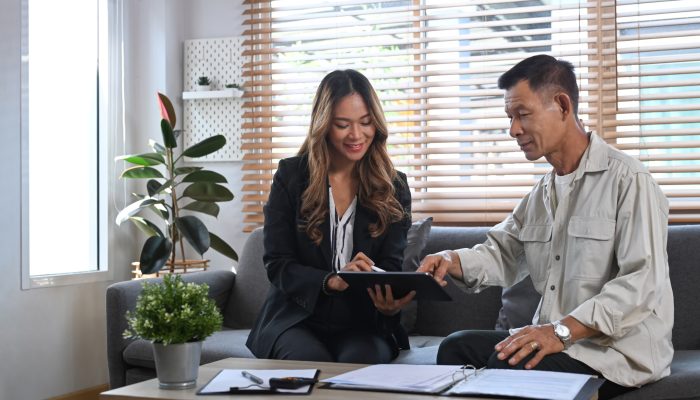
[
  {"x": 177, "y": 365},
  {"x": 202, "y": 88}
]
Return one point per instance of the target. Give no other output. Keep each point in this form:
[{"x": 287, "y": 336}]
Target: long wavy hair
[{"x": 375, "y": 172}]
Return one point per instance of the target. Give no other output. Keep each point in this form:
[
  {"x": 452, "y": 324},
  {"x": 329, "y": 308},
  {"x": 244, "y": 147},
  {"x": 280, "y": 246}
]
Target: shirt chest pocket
[
  {"x": 537, "y": 241},
  {"x": 590, "y": 249}
]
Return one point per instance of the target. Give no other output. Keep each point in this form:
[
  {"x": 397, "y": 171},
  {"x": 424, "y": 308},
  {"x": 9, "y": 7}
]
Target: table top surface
[{"x": 149, "y": 389}]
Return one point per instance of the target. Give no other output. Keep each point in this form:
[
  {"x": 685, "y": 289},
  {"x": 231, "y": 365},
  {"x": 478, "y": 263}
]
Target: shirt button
[
  {"x": 557, "y": 257},
  {"x": 552, "y": 287}
]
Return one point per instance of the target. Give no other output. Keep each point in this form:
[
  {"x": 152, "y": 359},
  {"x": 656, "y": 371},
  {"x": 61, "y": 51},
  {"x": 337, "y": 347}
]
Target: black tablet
[{"x": 401, "y": 283}]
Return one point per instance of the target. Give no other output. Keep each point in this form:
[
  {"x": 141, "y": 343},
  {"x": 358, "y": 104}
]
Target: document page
[
  {"x": 233, "y": 378},
  {"x": 522, "y": 383},
  {"x": 398, "y": 377}
]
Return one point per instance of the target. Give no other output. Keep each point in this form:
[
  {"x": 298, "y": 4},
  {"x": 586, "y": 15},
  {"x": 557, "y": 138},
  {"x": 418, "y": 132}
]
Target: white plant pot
[
  {"x": 177, "y": 365},
  {"x": 235, "y": 92},
  {"x": 202, "y": 88}
]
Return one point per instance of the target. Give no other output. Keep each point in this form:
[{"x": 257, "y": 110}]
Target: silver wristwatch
[{"x": 563, "y": 333}]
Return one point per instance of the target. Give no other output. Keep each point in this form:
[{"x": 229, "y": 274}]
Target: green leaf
[
  {"x": 144, "y": 159},
  {"x": 160, "y": 210},
  {"x": 205, "y": 147},
  {"x": 222, "y": 247},
  {"x": 141, "y": 172},
  {"x": 134, "y": 208},
  {"x": 194, "y": 231},
  {"x": 167, "y": 111},
  {"x": 185, "y": 170},
  {"x": 151, "y": 186},
  {"x": 207, "y": 191},
  {"x": 154, "y": 254},
  {"x": 205, "y": 207},
  {"x": 168, "y": 136},
  {"x": 146, "y": 226},
  {"x": 154, "y": 187},
  {"x": 205, "y": 176}
]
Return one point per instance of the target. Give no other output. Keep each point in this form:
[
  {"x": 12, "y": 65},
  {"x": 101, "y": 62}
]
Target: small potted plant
[
  {"x": 235, "y": 88},
  {"x": 203, "y": 83},
  {"x": 176, "y": 317}
]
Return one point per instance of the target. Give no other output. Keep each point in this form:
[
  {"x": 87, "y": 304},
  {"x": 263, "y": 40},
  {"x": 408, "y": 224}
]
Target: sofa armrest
[{"x": 121, "y": 297}]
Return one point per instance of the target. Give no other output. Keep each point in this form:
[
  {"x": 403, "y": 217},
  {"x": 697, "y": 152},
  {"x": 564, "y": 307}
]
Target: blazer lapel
[
  {"x": 326, "y": 243},
  {"x": 362, "y": 241}
]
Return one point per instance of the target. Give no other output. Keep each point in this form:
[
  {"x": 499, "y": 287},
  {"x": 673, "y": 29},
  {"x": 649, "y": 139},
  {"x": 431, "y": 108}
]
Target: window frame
[{"x": 102, "y": 272}]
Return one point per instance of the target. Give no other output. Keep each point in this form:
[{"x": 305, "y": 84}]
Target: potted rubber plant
[
  {"x": 176, "y": 317},
  {"x": 172, "y": 190}
]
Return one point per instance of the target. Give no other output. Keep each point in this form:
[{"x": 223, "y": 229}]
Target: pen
[
  {"x": 377, "y": 269},
  {"x": 252, "y": 377}
]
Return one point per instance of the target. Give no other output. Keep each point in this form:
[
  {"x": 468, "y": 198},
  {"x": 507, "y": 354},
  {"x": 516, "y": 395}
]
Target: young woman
[{"x": 338, "y": 205}]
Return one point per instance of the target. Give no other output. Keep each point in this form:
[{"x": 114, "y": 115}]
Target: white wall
[{"x": 53, "y": 339}]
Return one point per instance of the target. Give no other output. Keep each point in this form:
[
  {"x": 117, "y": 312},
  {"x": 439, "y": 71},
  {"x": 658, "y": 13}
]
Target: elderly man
[{"x": 593, "y": 235}]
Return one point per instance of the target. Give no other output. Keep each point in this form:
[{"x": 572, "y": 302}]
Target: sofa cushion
[
  {"x": 681, "y": 384},
  {"x": 136, "y": 375},
  {"x": 220, "y": 345},
  {"x": 248, "y": 294},
  {"x": 423, "y": 350},
  {"x": 416, "y": 240}
]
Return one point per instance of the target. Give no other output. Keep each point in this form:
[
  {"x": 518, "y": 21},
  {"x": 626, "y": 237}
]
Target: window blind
[{"x": 435, "y": 63}]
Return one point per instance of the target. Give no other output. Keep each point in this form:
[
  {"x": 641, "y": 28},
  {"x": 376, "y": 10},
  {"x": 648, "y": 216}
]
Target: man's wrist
[
  {"x": 563, "y": 333},
  {"x": 455, "y": 268}
]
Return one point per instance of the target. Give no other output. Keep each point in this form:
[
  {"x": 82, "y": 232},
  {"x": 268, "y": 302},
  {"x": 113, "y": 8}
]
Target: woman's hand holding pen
[
  {"x": 359, "y": 263},
  {"x": 440, "y": 264}
]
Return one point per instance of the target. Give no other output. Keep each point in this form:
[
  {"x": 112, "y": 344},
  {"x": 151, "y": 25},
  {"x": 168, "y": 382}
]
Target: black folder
[{"x": 222, "y": 385}]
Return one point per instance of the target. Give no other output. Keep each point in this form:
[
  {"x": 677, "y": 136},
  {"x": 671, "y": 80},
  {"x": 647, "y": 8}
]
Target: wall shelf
[
  {"x": 213, "y": 112},
  {"x": 213, "y": 94}
]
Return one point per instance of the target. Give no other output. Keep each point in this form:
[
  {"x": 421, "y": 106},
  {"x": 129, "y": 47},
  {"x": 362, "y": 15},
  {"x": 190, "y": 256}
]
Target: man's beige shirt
[{"x": 599, "y": 255}]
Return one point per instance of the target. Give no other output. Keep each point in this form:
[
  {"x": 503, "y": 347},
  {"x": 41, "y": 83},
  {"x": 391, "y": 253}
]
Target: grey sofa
[{"x": 240, "y": 296}]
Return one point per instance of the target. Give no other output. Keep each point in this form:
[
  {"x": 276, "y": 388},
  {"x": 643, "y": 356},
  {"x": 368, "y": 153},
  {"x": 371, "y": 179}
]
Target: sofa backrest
[
  {"x": 684, "y": 270},
  {"x": 480, "y": 311}
]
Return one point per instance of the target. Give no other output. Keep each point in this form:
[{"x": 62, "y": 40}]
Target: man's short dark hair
[{"x": 543, "y": 72}]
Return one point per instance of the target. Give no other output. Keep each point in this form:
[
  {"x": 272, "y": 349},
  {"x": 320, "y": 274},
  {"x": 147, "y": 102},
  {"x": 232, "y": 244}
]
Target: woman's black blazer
[{"x": 296, "y": 266}]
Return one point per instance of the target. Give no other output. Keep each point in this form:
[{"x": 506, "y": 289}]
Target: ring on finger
[{"x": 534, "y": 346}]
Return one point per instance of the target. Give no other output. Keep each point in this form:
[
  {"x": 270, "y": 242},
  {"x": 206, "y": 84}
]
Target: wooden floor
[{"x": 92, "y": 393}]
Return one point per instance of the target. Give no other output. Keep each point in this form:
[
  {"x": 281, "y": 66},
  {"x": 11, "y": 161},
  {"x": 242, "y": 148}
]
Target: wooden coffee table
[{"x": 149, "y": 389}]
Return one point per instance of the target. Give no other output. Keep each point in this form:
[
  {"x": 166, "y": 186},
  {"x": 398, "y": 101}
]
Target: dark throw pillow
[
  {"x": 520, "y": 302},
  {"x": 416, "y": 240}
]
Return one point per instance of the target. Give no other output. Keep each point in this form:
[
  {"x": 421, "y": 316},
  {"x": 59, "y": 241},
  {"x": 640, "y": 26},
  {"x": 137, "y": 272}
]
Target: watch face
[{"x": 561, "y": 330}]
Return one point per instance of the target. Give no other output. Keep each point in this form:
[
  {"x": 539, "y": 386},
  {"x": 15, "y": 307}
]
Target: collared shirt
[
  {"x": 341, "y": 231},
  {"x": 598, "y": 255}
]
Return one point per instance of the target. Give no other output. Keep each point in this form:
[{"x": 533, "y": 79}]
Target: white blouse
[{"x": 341, "y": 232}]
